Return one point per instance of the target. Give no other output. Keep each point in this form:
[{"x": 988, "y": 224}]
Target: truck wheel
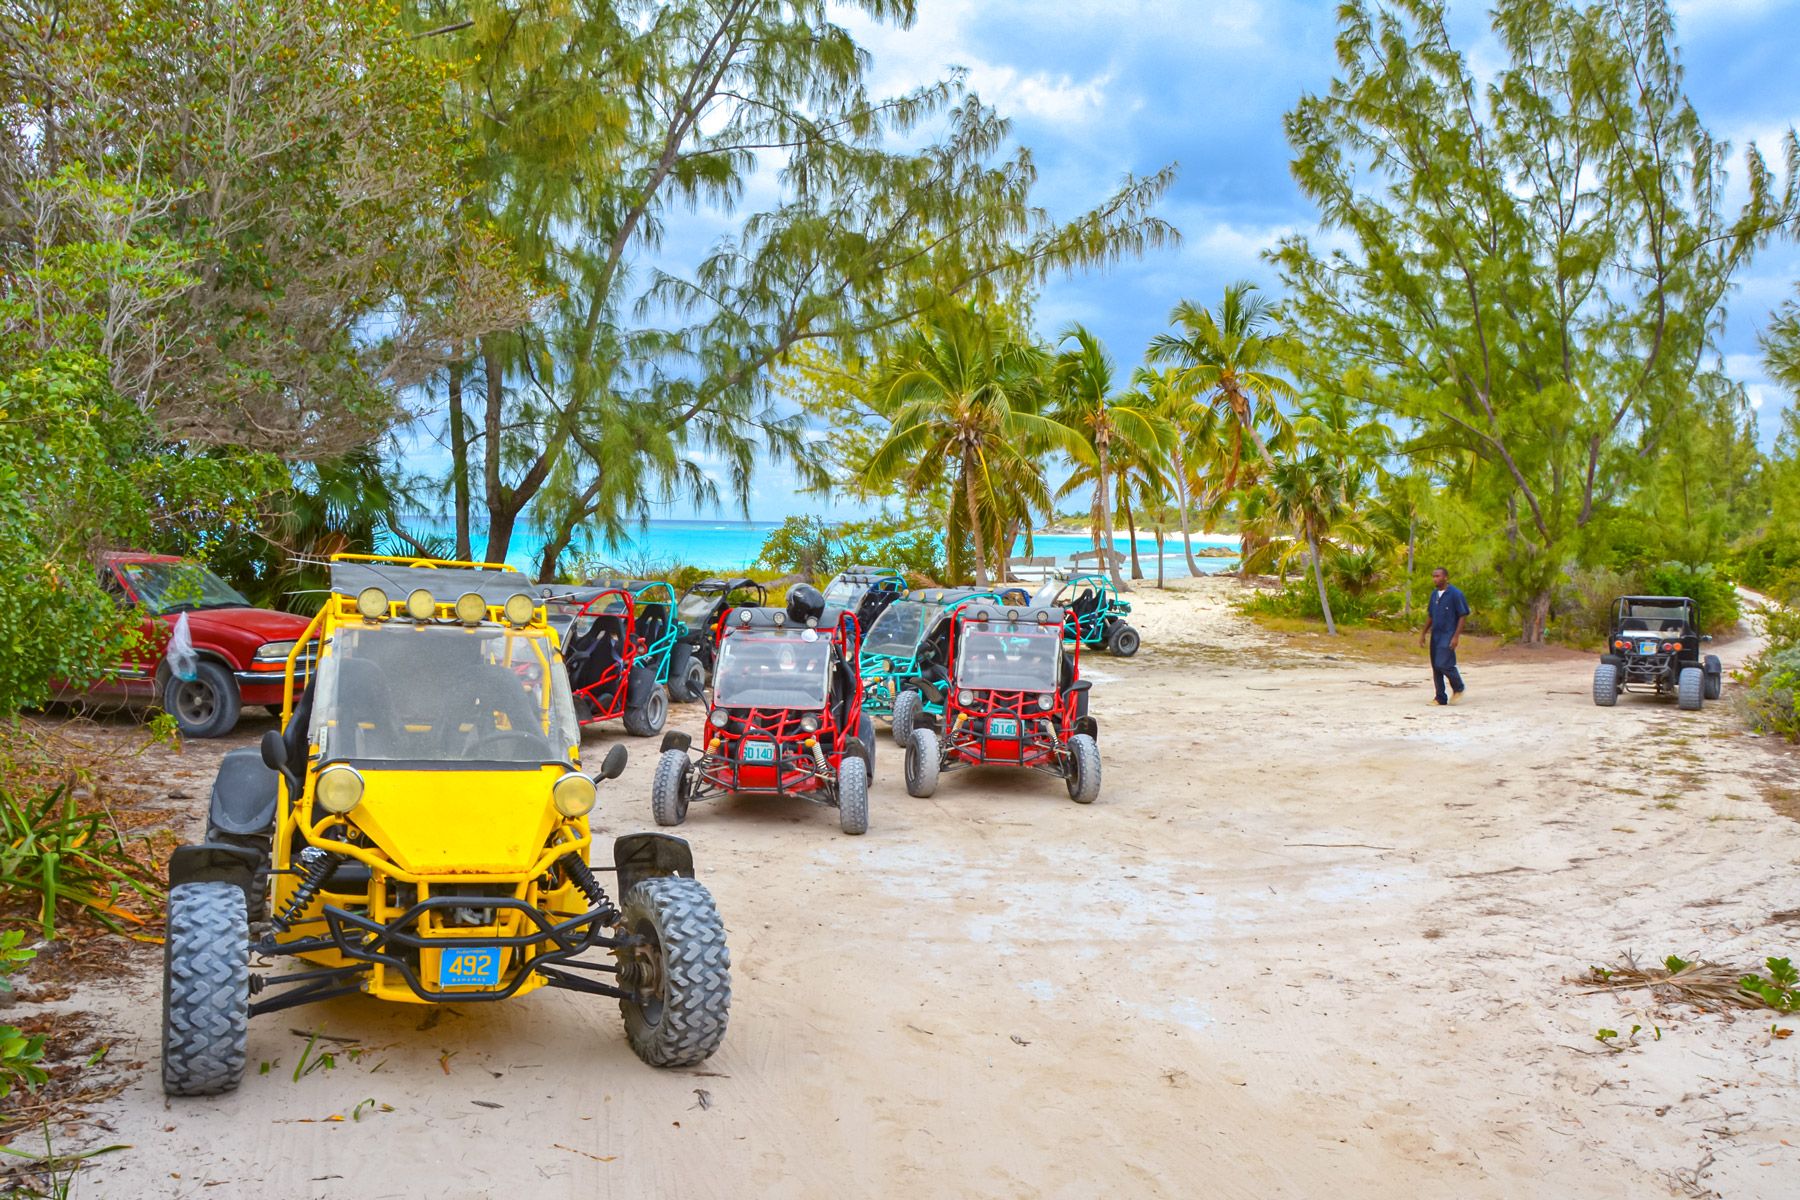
[
  {"x": 691, "y": 681},
  {"x": 1084, "y": 769},
  {"x": 648, "y": 718},
  {"x": 668, "y": 791},
  {"x": 1606, "y": 685},
  {"x": 1122, "y": 641},
  {"x": 1714, "y": 671},
  {"x": 853, "y": 794},
  {"x": 206, "y": 989},
  {"x": 908, "y": 705},
  {"x": 1690, "y": 688},
  {"x": 922, "y": 763},
  {"x": 683, "y": 972},
  {"x": 256, "y": 896},
  {"x": 205, "y": 706}
]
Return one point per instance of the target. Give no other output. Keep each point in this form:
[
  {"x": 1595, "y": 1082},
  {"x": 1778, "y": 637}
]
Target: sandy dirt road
[{"x": 1314, "y": 939}]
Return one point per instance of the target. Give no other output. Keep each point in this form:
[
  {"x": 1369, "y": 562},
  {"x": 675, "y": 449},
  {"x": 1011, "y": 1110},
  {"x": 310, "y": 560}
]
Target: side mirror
[
  {"x": 274, "y": 750},
  {"x": 614, "y": 763}
]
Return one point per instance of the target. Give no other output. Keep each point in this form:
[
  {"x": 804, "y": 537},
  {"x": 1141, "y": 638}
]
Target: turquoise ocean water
[{"x": 719, "y": 545}]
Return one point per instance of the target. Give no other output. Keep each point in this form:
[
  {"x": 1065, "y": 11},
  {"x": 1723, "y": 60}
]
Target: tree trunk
[
  {"x": 459, "y": 463},
  {"x": 1106, "y": 526},
  {"x": 1137, "y": 571},
  {"x": 1412, "y": 535},
  {"x": 1187, "y": 538},
  {"x": 1159, "y": 555},
  {"x": 1537, "y": 619},
  {"x": 502, "y": 512},
  {"x": 1009, "y": 533},
  {"x": 551, "y": 559},
  {"x": 981, "y": 579},
  {"x": 1312, "y": 544}
]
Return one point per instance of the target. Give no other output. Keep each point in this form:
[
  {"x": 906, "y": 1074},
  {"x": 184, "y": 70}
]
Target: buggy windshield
[
  {"x": 773, "y": 669},
  {"x": 172, "y": 587},
  {"x": 1642, "y": 617},
  {"x": 1000, "y": 656},
  {"x": 844, "y": 593},
  {"x": 443, "y": 693},
  {"x": 896, "y": 632},
  {"x": 696, "y": 607}
]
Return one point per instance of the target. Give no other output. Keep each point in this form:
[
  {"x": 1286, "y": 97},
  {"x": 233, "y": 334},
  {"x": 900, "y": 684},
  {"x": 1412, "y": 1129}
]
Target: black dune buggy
[
  {"x": 1013, "y": 697},
  {"x": 1654, "y": 646},
  {"x": 700, "y": 611},
  {"x": 863, "y": 592},
  {"x": 785, "y": 717}
]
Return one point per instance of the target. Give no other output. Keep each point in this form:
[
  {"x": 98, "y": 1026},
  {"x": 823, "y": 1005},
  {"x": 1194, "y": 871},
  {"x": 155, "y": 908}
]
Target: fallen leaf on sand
[
  {"x": 702, "y": 1099},
  {"x": 584, "y": 1153},
  {"x": 1017, "y": 1040}
]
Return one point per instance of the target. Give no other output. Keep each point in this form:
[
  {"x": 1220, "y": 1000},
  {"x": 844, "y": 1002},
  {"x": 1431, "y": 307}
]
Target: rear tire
[
  {"x": 1123, "y": 641},
  {"x": 1715, "y": 677},
  {"x": 1084, "y": 769},
  {"x": 648, "y": 718},
  {"x": 1690, "y": 688},
  {"x": 1606, "y": 685},
  {"x": 205, "y": 706},
  {"x": 668, "y": 791},
  {"x": 853, "y": 794},
  {"x": 922, "y": 763},
  {"x": 684, "y": 1021},
  {"x": 909, "y": 705},
  {"x": 865, "y": 736},
  {"x": 689, "y": 682},
  {"x": 206, "y": 990}
]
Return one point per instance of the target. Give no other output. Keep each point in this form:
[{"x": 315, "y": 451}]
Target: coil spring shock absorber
[
  {"x": 318, "y": 865},
  {"x": 818, "y": 757},
  {"x": 583, "y": 875}
]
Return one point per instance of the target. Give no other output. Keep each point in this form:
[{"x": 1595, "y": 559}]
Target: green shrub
[
  {"x": 54, "y": 853},
  {"x": 1760, "y": 561},
  {"x": 1774, "y": 686},
  {"x": 1711, "y": 589},
  {"x": 1300, "y": 598},
  {"x": 19, "y": 1054}
]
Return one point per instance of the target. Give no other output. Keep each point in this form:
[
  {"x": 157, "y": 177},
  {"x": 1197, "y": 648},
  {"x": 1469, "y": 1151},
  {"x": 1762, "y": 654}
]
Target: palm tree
[
  {"x": 1308, "y": 495},
  {"x": 1113, "y": 425},
  {"x": 964, "y": 395},
  {"x": 1196, "y": 431},
  {"x": 1228, "y": 359}
]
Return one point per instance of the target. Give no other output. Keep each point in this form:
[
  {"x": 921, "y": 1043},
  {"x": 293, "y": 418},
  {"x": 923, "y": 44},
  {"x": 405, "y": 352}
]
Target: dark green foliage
[
  {"x": 1712, "y": 591},
  {"x": 816, "y": 548},
  {"x": 19, "y": 1054},
  {"x": 60, "y": 856},
  {"x": 1780, "y": 990}
]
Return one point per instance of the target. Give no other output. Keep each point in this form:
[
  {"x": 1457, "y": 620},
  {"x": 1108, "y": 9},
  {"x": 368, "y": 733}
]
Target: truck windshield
[
  {"x": 443, "y": 693},
  {"x": 999, "y": 656},
  {"x": 898, "y": 629},
  {"x": 767, "y": 669},
  {"x": 172, "y": 587}
]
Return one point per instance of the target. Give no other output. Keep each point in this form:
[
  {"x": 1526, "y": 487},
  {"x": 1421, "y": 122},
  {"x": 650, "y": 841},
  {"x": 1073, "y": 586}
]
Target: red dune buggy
[
  {"x": 1013, "y": 698},
  {"x": 603, "y": 642},
  {"x": 784, "y": 717}
]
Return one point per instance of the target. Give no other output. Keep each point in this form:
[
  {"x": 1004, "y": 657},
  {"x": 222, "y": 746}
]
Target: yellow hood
[{"x": 458, "y": 822}]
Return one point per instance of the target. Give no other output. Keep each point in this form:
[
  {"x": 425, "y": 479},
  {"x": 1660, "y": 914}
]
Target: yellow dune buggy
[{"x": 418, "y": 831}]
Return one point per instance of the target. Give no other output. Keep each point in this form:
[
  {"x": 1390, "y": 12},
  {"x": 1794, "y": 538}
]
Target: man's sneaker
[{"x": 1456, "y": 697}]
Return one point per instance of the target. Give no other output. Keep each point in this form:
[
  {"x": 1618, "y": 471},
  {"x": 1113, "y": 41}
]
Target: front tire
[
  {"x": 648, "y": 718},
  {"x": 1690, "y": 688},
  {"x": 865, "y": 736},
  {"x": 1606, "y": 685},
  {"x": 1084, "y": 769},
  {"x": 922, "y": 763},
  {"x": 256, "y": 896},
  {"x": 1715, "y": 677},
  {"x": 853, "y": 794},
  {"x": 206, "y": 990},
  {"x": 1123, "y": 641},
  {"x": 684, "y": 969},
  {"x": 206, "y": 706},
  {"x": 909, "y": 706},
  {"x": 668, "y": 791}
]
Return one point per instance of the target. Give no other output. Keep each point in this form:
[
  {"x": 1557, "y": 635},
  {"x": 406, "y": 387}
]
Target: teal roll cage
[
  {"x": 885, "y": 676},
  {"x": 1090, "y": 624}
]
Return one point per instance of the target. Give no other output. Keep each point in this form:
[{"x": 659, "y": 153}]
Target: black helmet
[{"x": 804, "y": 603}]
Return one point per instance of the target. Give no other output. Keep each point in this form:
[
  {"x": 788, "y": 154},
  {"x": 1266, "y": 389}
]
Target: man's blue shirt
[{"x": 1445, "y": 609}]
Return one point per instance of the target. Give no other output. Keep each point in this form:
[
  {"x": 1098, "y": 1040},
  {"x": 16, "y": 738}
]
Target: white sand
[{"x": 1312, "y": 941}]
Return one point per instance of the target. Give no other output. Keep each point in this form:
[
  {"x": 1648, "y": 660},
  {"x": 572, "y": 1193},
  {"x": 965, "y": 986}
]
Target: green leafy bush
[
  {"x": 816, "y": 548},
  {"x": 1761, "y": 561},
  {"x": 1774, "y": 686},
  {"x": 19, "y": 1054},
  {"x": 1780, "y": 990},
  {"x": 1300, "y": 598},
  {"x": 1711, "y": 589},
  {"x": 54, "y": 852}
]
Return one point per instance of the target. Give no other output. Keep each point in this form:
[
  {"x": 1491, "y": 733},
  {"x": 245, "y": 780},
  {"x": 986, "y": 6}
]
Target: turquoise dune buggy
[
  {"x": 906, "y": 642},
  {"x": 701, "y": 609},
  {"x": 863, "y": 592},
  {"x": 1096, "y": 612}
]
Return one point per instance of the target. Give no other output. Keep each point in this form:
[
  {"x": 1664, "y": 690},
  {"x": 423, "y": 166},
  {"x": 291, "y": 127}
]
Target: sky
[{"x": 1099, "y": 89}]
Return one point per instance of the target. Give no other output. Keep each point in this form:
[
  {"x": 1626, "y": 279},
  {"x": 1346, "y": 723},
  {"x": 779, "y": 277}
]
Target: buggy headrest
[{"x": 804, "y": 603}]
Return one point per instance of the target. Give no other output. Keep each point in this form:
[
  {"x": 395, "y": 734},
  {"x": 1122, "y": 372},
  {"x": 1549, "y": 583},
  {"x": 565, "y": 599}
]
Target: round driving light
[
  {"x": 339, "y": 789},
  {"x": 809, "y": 724},
  {"x": 718, "y": 718},
  {"x": 372, "y": 603},
  {"x": 519, "y": 608},
  {"x": 471, "y": 609},
  {"x": 965, "y": 697},
  {"x": 780, "y": 618},
  {"x": 573, "y": 795},
  {"x": 421, "y": 605},
  {"x": 743, "y": 616},
  {"x": 1044, "y": 702}
]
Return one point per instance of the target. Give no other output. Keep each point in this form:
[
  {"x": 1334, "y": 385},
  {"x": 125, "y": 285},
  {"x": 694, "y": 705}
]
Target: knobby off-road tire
[
  {"x": 685, "y": 1022},
  {"x": 1715, "y": 677},
  {"x": 1606, "y": 685},
  {"x": 1084, "y": 769},
  {"x": 206, "y": 706},
  {"x": 648, "y": 718},
  {"x": 922, "y": 763},
  {"x": 668, "y": 791},
  {"x": 256, "y": 896},
  {"x": 692, "y": 682},
  {"x": 1123, "y": 641},
  {"x": 909, "y": 706},
  {"x": 1690, "y": 688},
  {"x": 853, "y": 794},
  {"x": 865, "y": 737},
  {"x": 206, "y": 990}
]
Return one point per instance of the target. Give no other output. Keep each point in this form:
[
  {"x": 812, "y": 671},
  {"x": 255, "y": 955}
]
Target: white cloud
[{"x": 1048, "y": 97}]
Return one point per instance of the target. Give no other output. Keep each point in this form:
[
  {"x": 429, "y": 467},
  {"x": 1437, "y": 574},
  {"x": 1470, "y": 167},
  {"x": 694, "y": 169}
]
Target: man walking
[{"x": 1445, "y": 613}]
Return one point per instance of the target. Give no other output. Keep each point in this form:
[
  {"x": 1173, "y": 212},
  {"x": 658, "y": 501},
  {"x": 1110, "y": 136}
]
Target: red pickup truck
[{"x": 242, "y": 650}]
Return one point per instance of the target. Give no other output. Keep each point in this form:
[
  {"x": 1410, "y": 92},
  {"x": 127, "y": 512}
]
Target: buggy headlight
[
  {"x": 372, "y": 603},
  {"x": 1045, "y": 701},
  {"x": 519, "y": 608},
  {"x": 717, "y": 717},
  {"x": 573, "y": 795},
  {"x": 421, "y": 605},
  {"x": 965, "y": 697},
  {"x": 471, "y": 609},
  {"x": 809, "y": 724},
  {"x": 339, "y": 789}
]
